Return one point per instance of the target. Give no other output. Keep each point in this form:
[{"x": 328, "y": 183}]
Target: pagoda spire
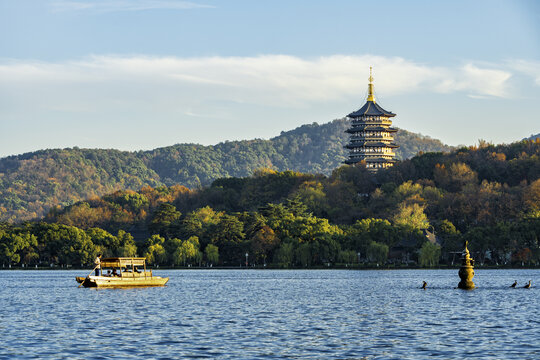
[
  {"x": 370, "y": 97},
  {"x": 372, "y": 137}
]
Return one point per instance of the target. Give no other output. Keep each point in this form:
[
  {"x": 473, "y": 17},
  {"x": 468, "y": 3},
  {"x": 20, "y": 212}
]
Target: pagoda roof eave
[
  {"x": 370, "y": 160},
  {"x": 379, "y": 160},
  {"x": 371, "y": 108},
  {"x": 370, "y": 144},
  {"x": 370, "y": 128}
]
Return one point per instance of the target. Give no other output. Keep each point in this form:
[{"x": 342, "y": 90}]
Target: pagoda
[{"x": 372, "y": 138}]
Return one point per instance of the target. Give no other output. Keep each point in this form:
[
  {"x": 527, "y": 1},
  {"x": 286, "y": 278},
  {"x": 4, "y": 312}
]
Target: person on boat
[
  {"x": 97, "y": 264},
  {"x": 136, "y": 270},
  {"x": 114, "y": 273},
  {"x": 108, "y": 273}
]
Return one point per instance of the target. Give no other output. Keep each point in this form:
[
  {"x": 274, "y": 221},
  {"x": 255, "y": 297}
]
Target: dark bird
[
  {"x": 528, "y": 285},
  {"x": 424, "y": 284},
  {"x": 514, "y": 284}
]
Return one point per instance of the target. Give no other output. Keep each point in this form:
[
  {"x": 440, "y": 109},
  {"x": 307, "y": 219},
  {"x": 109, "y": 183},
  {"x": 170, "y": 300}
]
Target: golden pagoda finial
[{"x": 370, "y": 97}]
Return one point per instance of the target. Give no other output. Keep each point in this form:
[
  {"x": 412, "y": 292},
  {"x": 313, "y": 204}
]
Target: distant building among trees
[{"x": 372, "y": 139}]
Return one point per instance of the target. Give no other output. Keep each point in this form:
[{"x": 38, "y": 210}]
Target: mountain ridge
[{"x": 34, "y": 182}]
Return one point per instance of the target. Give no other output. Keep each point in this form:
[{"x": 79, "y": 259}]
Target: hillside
[
  {"x": 310, "y": 148},
  {"x": 32, "y": 183},
  {"x": 487, "y": 195}
]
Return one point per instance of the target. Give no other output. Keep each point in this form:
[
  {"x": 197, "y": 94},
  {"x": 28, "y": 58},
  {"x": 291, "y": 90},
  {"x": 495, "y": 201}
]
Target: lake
[{"x": 272, "y": 314}]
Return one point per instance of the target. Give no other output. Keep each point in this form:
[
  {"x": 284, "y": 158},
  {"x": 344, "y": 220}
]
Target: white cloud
[
  {"x": 273, "y": 80},
  {"x": 479, "y": 82},
  {"x": 123, "y": 5},
  {"x": 141, "y": 101},
  {"x": 527, "y": 67}
]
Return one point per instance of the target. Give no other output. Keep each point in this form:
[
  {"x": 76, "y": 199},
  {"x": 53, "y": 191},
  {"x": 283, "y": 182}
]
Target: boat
[{"x": 122, "y": 272}]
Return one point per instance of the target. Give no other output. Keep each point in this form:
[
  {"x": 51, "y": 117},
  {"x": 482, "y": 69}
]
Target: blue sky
[{"x": 140, "y": 74}]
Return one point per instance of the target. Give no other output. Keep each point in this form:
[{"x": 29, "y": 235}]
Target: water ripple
[{"x": 272, "y": 315}]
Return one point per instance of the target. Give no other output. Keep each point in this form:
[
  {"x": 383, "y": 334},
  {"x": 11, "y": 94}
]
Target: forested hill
[
  {"x": 487, "y": 195},
  {"x": 310, "y": 148},
  {"x": 32, "y": 183}
]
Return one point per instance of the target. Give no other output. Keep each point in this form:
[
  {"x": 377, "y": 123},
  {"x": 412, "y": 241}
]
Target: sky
[{"x": 142, "y": 74}]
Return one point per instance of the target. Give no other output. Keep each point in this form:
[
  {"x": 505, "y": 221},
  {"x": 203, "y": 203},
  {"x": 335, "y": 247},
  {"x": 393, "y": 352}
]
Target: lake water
[{"x": 250, "y": 314}]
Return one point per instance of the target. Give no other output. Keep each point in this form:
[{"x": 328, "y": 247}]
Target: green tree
[
  {"x": 77, "y": 248},
  {"x": 284, "y": 255},
  {"x": 201, "y": 223},
  {"x": 455, "y": 177},
  {"x": 228, "y": 234},
  {"x": 429, "y": 254},
  {"x": 18, "y": 248},
  {"x": 303, "y": 254},
  {"x": 184, "y": 252},
  {"x": 531, "y": 198},
  {"x": 106, "y": 243},
  {"x": 348, "y": 257},
  {"x": 155, "y": 252},
  {"x": 165, "y": 215},
  {"x": 212, "y": 254},
  {"x": 377, "y": 253},
  {"x": 263, "y": 242},
  {"x": 127, "y": 247},
  {"x": 412, "y": 216}
]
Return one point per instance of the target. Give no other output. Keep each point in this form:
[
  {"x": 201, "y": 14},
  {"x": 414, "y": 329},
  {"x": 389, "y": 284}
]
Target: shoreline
[{"x": 367, "y": 268}]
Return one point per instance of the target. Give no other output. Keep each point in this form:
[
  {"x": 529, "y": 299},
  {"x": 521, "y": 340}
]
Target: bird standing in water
[
  {"x": 528, "y": 285},
  {"x": 514, "y": 284},
  {"x": 424, "y": 284}
]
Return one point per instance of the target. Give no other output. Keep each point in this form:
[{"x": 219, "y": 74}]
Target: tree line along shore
[{"x": 416, "y": 214}]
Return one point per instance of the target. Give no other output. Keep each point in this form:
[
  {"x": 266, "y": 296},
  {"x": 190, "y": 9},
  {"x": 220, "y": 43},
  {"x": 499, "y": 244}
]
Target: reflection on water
[{"x": 254, "y": 314}]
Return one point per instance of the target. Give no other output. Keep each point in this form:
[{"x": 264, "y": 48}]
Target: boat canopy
[{"x": 120, "y": 262}]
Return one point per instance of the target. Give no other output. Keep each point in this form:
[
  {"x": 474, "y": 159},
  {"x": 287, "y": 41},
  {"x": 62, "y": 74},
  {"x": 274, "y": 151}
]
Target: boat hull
[{"x": 122, "y": 282}]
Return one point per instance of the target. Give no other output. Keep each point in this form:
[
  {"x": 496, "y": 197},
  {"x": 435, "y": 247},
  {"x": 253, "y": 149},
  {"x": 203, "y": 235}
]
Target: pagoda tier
[
  {"x": 372, "y": 138},
  {"x": 360, "y": 128},
  {"x": 374, "y": 160},
  {"x": 357, "y": 144}
]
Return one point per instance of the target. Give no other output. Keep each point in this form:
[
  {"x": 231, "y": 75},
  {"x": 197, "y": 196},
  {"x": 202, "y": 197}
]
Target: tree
[
  {"x": 412, "y": 216},
  {"x": 165, "y": 215},
  {"x": 228, "y": 235},
  {"x": 184, "y": 252},
  {"x": 212, "y": 254},
  {"x": 311, "y": 193},
  {"x": 377, "y": 252},
  {"x": 228, "y": 229},
  {"x": 303, "y": 254},
  {"x": 366, "y": 230},
  {"x": 107, "y": 243},
  {"x": 18, "y": 247},
  {"x": 284, "y": 255},
  {"x": 200, "y": 223},
  {"x": 325, "y": 248},
  {"x": 264, "y": 242},
  {"x": 348, "y": 257},
  {"x": 429, "y": 254},
  {"x": 455, "y": 177},
  {"x": 77, "y": 248},
  {"x": 127, "y": 246},
  {"x": 532, "y": 198},
  {"x": 155, "y": 252}
]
